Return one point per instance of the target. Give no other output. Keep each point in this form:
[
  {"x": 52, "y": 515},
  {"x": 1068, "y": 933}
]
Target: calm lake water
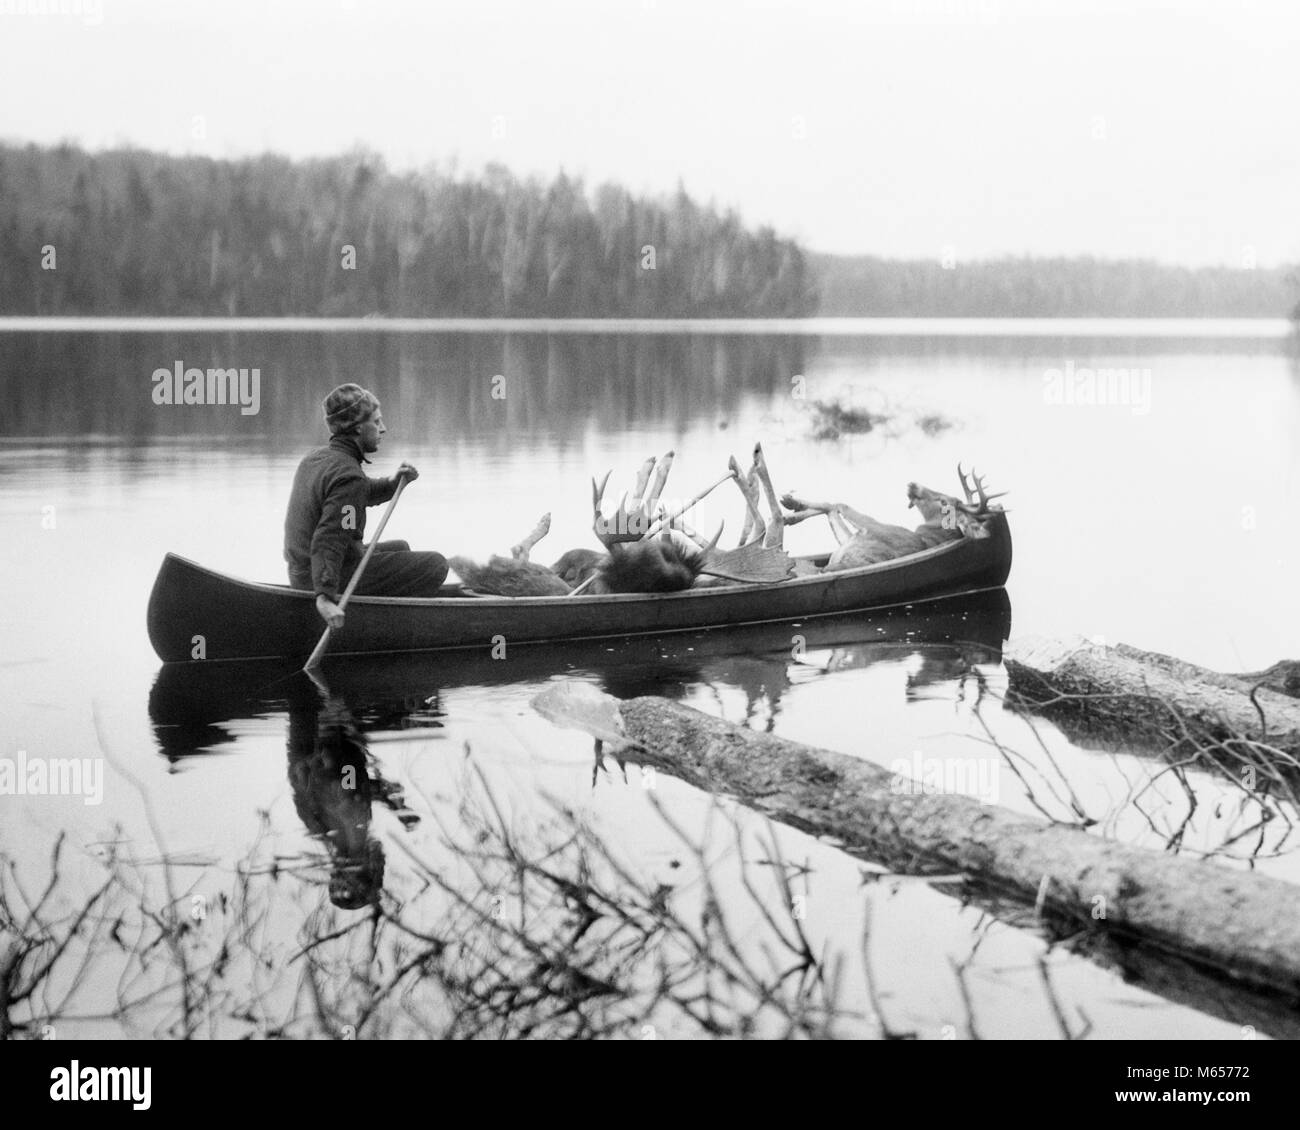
[{"x": 1161, "y": 517}]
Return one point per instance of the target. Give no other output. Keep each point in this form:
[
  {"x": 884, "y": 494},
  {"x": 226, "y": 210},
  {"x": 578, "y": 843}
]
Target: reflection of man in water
[{"x": 332, "y": 791}]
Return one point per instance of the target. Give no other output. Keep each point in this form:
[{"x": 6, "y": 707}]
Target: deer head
[{"x": 971, "y": 517}]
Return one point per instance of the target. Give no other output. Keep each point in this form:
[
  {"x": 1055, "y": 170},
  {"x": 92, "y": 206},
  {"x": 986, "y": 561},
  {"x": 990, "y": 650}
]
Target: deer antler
[
  {"x": 966, "y": 487},
  {"x": 977, "y": 492}
]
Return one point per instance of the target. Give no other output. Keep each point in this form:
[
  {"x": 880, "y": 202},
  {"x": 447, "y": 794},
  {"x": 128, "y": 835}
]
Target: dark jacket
[{"x": 326, "y": 519}]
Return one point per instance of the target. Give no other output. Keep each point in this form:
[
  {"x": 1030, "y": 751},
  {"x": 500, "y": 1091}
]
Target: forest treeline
[
  {"x": 135, "y": 232},
  {"x": 132, "y": 232},
  {"x": 1050, "y": 288}
]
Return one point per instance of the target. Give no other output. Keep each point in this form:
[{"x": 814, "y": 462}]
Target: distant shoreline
[{"x": 1265, "y": 329}]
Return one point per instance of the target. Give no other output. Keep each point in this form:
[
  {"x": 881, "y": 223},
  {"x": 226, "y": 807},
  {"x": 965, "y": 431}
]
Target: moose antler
[
  {"x": 642, "y": 478},
  {"x": 630, "y": 522},
  {"x": 634, "y": 523},
  {"x": 680, "y": 525}
]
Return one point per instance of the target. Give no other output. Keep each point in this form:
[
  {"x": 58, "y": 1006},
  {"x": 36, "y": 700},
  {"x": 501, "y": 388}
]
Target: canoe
[
  {"x": 195, "y": 610},
  {"x": 198, "y": 707}
]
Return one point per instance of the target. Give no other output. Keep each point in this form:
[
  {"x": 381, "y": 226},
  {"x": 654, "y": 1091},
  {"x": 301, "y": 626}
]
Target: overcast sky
[{"x": 894, "y": 127}]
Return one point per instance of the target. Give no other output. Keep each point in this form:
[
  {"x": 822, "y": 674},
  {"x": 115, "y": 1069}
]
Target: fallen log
[
  {"x": 1241, "y": 925},
  {"x": 1123, "y": 695}
]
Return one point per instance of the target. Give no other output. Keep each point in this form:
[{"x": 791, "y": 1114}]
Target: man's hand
[
  {"x": 330, "y": 612},
  {"x": 406, "y": 471}
]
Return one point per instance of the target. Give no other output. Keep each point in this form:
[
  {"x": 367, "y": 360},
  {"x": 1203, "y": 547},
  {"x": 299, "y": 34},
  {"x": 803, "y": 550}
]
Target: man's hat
[{"x": 347, "y": 406}]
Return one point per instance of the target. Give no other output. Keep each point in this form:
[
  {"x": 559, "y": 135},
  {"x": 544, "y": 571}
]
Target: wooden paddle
[{"x": 314, "y": 659}]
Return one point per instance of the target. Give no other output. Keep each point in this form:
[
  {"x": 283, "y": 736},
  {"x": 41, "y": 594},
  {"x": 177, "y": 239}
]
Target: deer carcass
[{"x": 866, "y": 541}]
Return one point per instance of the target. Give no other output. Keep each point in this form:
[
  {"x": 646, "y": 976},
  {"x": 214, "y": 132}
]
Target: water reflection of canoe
[
  {"x": 247, "y": 620},
  {"x": 190, "y": 700}
]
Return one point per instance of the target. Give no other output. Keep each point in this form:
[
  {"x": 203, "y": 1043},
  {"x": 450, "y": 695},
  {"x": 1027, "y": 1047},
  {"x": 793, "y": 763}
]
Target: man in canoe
[{"x": 326, "y": 519}]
